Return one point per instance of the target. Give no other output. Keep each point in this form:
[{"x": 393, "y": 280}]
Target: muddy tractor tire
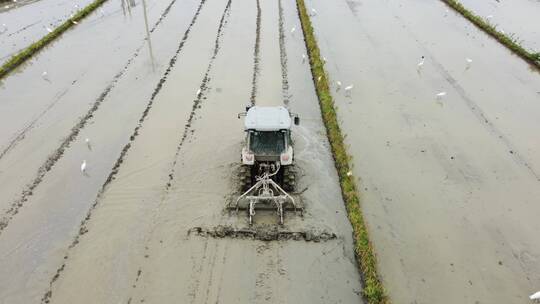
[
  {"x": 289, "y": 179},
  {"x": 246, "y": 178}
]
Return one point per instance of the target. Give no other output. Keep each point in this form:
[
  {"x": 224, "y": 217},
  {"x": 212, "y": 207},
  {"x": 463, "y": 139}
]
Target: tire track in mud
[
  {"x": 23, "y": 28},
  {"x": 263, "y": 292},
  {"x": 283, "y": 57},
  {"x": 212, "y": 266},
  {"x": 222, "y": 276},
  {"x": 256, "y": 55},
  {"x": 196, "y": 270},
  {"x": 112, "y": 175},
  {"x": 75, "y": 130},
  {"x": 197, "y": 103}
]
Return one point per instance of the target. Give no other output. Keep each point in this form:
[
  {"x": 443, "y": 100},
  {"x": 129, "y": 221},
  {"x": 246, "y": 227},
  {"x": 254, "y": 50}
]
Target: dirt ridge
[
  {"x": 256, "y": 55},
  {"x": 283, "y": 57}
]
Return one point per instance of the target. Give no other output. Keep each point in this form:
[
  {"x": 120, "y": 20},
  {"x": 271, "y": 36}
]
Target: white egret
[
  {"x": 45, "y": 76},
  {"x": 441, "y": 95},
  {"x": 421, "y": 63},
  {"x": 535, "y": 296},
  {"x": 469, "y": 61},
  {"x": 198, "y": 92},
  {"x": 348, "y": 90},
  {"x": 338, "y": 85},
  {"x": 293, "y": 29},
  {"x": 83, "y": 166},
  {"x": 48, "y": 29},
  {"x": 87, "y": 141},
  {"x": 303, "y": 58}
]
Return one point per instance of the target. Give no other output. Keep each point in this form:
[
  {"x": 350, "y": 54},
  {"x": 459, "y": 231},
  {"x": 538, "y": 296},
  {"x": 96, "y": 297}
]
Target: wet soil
[
  {"x": 164, "y": 144},
  {"x": 262, "y": 233},
  {"x": 518, "y": 19},
  {"x": 26, "y": 21},
  {"x": 449, "y": 184}
]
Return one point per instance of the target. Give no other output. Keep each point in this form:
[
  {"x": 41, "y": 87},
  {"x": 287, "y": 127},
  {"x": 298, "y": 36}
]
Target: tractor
[{"x": 267, "y": 172}]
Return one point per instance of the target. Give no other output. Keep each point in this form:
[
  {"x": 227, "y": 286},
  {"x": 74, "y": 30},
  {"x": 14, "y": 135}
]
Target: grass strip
[
  {"x": 511, "y": 42},
  {"x": 19, "y": 58},
  {"x": 373, "y": 291}
]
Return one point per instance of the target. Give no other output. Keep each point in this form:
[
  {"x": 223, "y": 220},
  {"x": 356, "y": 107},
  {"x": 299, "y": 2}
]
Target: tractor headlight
[
  {"x": 248, "y": 158},
  {"x": 286, "y": 158}
]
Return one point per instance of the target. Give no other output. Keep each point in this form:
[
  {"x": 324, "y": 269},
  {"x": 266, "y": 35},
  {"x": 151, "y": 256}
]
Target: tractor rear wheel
[
  {"x": 289, "y": 178},
  {"x": 246, "y": 180}
]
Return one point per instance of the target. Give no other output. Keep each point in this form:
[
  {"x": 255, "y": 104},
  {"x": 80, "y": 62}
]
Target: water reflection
[
  {"x": 127, "y": 5},
  {"x": 148, "y": 35}
]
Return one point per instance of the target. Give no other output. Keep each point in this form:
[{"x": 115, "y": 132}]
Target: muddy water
[
  {"x": 27, "y": 21},
  {"x": 450, "y": 185},
  {"x": 517, "y": 18},
  {"x": 178, "y": 174},
  {"x": 45, "y": 115},
  {"x": 33, "y": 244}
]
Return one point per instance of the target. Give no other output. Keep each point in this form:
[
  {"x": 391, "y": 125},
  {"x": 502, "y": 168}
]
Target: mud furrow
[
  {"x": 475, "y": 109},
  {"x": 20, "y": 136},
  {"x": 82, "y": 230},
  {"x": 202, "y": 92},
  {"x": 75, "y": 130},
  {"x": 283, "y": 57},
  {"x": 256, "y": 56},
  {"x": 484, "y": 121},
  {"x": 200, "y": 97},
  {"x": 23, "y": 28}
]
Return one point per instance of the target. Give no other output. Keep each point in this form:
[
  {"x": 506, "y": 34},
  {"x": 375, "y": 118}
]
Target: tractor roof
[{"x": 267, "y": 119}]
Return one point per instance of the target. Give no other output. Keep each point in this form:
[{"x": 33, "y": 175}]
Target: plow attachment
[{"x": 266, "y": 194}]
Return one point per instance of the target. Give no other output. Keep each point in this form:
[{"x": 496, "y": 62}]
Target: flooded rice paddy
[{"x": 446, "y": 152}]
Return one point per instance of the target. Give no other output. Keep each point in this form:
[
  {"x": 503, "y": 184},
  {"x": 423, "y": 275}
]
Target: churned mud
[{"x": 262, "y": 233}]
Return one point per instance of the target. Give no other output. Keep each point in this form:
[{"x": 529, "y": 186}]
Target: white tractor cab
[
  {"x": 267, "y": 170},
  {"x": 268, "y": 144}
]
